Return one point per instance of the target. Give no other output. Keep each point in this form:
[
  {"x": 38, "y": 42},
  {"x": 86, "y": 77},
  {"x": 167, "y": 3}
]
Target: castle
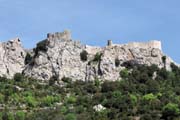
[
  {"x": 66, "y": 35},
  {"x": 62, "y": 57}
]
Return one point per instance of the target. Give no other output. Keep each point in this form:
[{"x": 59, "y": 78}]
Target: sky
[{"x": 93, "y": 22}]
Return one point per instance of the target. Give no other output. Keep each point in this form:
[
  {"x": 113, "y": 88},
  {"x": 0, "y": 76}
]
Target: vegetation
[
  {"x": 139, "y": 94},
  {"x": 28, "y": 58},
  {"x": 41, "y": 46},
  {"x": 84, "y": 55},
  {"x": 97, "y": 57},
  {"x": 164, "y": 61}
]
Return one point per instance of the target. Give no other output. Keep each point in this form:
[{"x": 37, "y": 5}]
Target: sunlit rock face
[
  {"x": 62, "y": 58},
  {"x": 12, "y": 56}
]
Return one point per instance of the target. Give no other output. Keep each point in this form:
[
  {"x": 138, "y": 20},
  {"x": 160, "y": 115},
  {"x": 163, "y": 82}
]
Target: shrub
[
  {"x": 71, "y": 99},
  {"x": 84, "y": 55},
  {"x": 130, "y": 64},
  {"x": 177, "y": 90},
  {"x": 124, "y": 73},
  {"x": 152, "y": 86},
  {"x": 50, "y": 100},
  {"x": 63, "y": 109},
  {"x": 164, "y": 61},
  {"x": 3, "y": 79},
  {"x": 53, "y": 79},
  {"x": 90, "y": 88},
  {"x": 1, "y": 116},
  {"x": 20, "y": 115},
  {"x": 170, "y": 110},
  {"x": 31, "y": 101},
  {"x": 41, "y": 46},
  {"x": 134, "y": 99},
  {"x": 116, "y": 94},
  {"x": 66, "y": 79},
  {"x": 18, "y": 77},
  {"x": 97, "y": 57},
  {"x": 97, "y": 82},
  {"x": 146, "y": 117},
  {"x": 70, "y": 116},
  {"x": 109, "y": 86},
  {"x": 28, "y": 58},
  {"x": 4, "y": 116},
  {"x": 10, "y": 116},
  {"x": 149, "y": 97},
  {"x": 1, "y": 98}
]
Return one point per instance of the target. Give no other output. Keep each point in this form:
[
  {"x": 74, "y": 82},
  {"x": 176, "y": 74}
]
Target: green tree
[
  {"x": 28, "y": 58},
  {"x": 50, "y": 100},
  {"x": 71, "y": 99},
  {"x": 134, "y": 99},
  {"x": 108, "y": 86},
  {"x": 10, "y": 116},
  {"x": 84, "y": 55},
  {"x": 149, "y": 97},
  {"x": 20, "y": 115},
  {"x": 170, "y": 111},
  {"x": 1, "y": 98},
  {"x": 124, "y": 73},
  {"x": 97, "y": 57},
  {"x": 41, "y": 46},
  {"x": 152, "y": 86},
  {"x": 70, "y": 116},
  {"x": 18, "y": 77},
  {"x": 146, "y": 117},
  {"x": 164, "y": 61},
  {"x": 31, "y": 101}
]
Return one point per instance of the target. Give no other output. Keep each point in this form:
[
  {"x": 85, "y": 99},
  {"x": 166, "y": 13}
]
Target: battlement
[{"x": 66, "y": 35}]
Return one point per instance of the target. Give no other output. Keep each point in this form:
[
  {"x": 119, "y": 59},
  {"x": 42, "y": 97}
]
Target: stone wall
[
  {"x": 66, "y": 35},
  {"x": 146, "y": 45}
]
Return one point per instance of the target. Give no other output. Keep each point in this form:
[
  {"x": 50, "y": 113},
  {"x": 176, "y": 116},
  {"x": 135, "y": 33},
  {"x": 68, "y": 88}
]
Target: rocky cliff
[
  {"x": 12, "y": 56},
  {"x": 58, "y": 55}
]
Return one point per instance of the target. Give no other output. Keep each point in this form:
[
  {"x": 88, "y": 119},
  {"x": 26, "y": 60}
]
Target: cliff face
[
  {"x": 12, "y": 57},
  {"x": 59, "y": 56}
]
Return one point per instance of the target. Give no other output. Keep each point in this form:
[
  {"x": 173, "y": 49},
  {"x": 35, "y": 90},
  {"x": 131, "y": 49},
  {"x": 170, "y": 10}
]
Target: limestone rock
[
  {"x": 99, "y": 108},
  {"x": 62, "y": 59},
  {"x": 12, "y": 57},
  {"x": 60, "y": 56}
]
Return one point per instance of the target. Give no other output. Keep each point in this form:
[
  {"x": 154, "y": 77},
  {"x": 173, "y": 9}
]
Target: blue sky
[{"x": 93, "y": 21}]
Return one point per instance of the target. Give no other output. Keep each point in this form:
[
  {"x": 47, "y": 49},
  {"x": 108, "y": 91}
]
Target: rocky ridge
[{"x": 58, "y": 55}]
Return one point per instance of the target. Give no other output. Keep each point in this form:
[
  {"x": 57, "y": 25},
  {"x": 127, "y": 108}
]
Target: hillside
[
  {"x": 62, "y": 79},
  {"x": 143, "y": 93}
]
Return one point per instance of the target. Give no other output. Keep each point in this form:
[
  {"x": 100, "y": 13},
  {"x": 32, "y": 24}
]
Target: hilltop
[{"x": 59, "y": 56}]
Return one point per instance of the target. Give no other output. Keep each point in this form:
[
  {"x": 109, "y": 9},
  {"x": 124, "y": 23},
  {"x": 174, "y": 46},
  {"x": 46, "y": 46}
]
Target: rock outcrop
[
  {"x": 12, "y": 56},
  {"x": 61, "y": 57},
  {"x": 58, "y": 55}
]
